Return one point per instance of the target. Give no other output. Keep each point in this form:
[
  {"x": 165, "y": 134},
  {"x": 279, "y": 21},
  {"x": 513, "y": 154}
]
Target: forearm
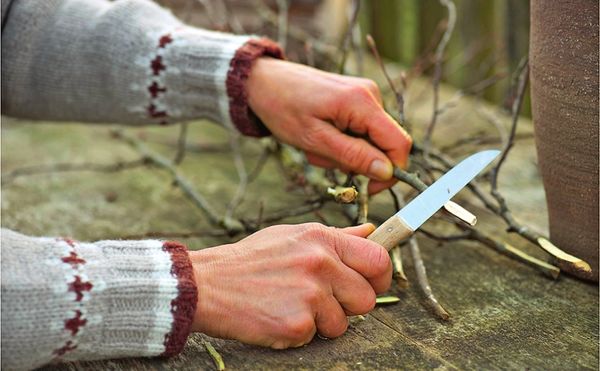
[
  {"x": 128, "y": 62},
  {"x": 64, "y": 300}
]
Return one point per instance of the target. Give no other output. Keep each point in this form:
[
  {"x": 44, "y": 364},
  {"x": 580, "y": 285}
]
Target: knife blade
[{"x": 422, "y": 207}]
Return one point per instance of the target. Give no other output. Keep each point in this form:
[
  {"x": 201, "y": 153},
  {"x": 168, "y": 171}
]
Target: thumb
[
  {"x": 353, "y": 154},
  {"x": 362, "y": 230}
]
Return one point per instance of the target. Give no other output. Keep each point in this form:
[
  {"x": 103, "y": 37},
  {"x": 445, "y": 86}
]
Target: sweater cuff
[
  {"x": 183, "y": 306},
  {"x": 240, "y": 113}
]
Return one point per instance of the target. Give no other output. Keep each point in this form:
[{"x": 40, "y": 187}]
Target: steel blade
[{"x": 436, "y": 195}]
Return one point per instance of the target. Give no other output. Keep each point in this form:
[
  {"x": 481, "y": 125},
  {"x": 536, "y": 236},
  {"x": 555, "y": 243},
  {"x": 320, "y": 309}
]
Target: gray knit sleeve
[
  {"x": 128, "y": 61},
  {"x": 64, "y": 300}
]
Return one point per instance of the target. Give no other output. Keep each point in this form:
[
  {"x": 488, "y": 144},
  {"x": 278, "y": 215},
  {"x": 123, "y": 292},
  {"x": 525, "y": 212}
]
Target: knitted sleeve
[
  {"x": 129, "y": 62},
  {"x": 64, "y": 300}
]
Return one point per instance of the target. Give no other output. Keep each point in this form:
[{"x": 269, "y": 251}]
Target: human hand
[
  {"x": 281, "y": 285},
  {"x": 316, "y": 111}
]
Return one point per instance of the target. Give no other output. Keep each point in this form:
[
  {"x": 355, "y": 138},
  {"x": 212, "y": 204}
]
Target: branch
[
  {"x": 516, "y": 109},
  {"x": 282, "y": 22},
  {"x": 242, "y": 175},
  {"x": 232, "y": 226},
  {"x": 181, "y": 144},
  {"x": 397, "y": 93},
  {"x": 437, "y": 74},
  {"x": 348, "y": 36},
  {"x": 399, "y": 275},
  {"x": 69, "y": 167},
  {"x": 564, "y": 260}
]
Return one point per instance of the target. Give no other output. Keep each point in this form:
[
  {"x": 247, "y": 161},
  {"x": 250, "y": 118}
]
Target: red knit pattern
[
  {"x": 78, "y": 286},
  {"x": 73, "y": 324},
  {"x": 73, "y": 259},
  {"x": 157, "y": 66},
  {"x": 69, "y": 345},
  {"x": 241, "y": 64},
  {"x": 183, "y": 306}
]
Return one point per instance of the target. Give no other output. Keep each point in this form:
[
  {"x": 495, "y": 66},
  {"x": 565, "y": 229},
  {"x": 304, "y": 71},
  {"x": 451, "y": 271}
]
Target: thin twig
[
  {"x": 514, "y": 253},
  {"x": 266, "y": 14},
  {"x": 197, "y": 199},
  {"x": 242, "y": 175},
  {"x": 437, "y": 74},
  {"x": 422, "y": 279},
  {"x": 71, "y": 167},
  {"x": 564, "y": 260},
  {"x": 399, "y": 275},
  {"x": 363, "y": 199},
  {"x": 397, "y": 93},
  {"x": 516, "y": 109},
  {"x": 282, "y": 23},
  {"x": 216, "y": 357},
  {"x": 347, "y": 39},
  {"x": 181, "y": 143}
]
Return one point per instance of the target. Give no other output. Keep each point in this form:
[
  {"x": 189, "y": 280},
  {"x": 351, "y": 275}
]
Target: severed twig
[{"x": 216, "y": 357}]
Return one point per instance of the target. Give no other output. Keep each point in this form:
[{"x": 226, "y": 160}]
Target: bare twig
[
  {"x": 71, "y": 167},
  {"x": 564, "y": 260},
  {"x": 422, "y": 279},
  {"x": 347, "y": 39},
  {"x": 282, "y": 22},
  {"x": 437, "y": 74},
  {"x": 512, "y": 252},
  {"x": 516, "y": 109},
  {"x": 232, "y": 226},
  {"x": 363, "y": 199},
  {"x": 242, "y": 175},
  {"x": 266, "y": 14},
  {"x": 399, "y": 275},
  {"x": 216, "y": 357},
  {"x": 181, "y": 144},
  {"x": 397, "y": 93}
]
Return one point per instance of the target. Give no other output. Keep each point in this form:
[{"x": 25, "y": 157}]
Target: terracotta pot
[{"x": 564, "y": 92}]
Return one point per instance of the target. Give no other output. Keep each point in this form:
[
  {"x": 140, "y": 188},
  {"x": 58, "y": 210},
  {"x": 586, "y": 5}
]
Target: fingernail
[{"x": 381, "y": 170}]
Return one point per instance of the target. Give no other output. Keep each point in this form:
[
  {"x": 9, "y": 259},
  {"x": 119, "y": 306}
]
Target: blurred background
[{"x": 490, "y": 37}]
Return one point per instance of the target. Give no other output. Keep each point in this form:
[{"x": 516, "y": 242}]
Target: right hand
[{"x": 281, "y": 285}]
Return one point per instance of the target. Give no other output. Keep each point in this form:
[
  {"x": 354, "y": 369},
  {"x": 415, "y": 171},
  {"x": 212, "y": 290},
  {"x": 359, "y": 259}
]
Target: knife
[{"x": 406, "y": 221}]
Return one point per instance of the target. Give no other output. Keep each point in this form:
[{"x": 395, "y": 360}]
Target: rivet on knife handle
[{"x": 390, "y": 233}]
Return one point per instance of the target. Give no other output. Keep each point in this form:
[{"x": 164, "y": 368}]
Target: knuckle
[
  {"x": 361, "y": 92},
  {"x": 367, "y": 302},
  {"x": 319, "y": 260},
  {"x": 379, "y": 258},
  {"x": 371, "y": 85},
  {"x": 339, "y": 328},
  {"x": 314, "y": 296},
  {"x": 299, "y": 329},
  {"x": 313, "y": 135},
  {"x": 355, "y": 156}
]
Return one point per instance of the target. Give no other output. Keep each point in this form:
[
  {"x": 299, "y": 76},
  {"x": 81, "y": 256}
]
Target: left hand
[{"x": 317, "y": 111}]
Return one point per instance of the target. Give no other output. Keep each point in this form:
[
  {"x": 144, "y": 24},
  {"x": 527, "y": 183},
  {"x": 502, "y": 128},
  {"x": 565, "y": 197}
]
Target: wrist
[
  {"x": 205, "y": 266},
  {"x": 243, "y": 62}
]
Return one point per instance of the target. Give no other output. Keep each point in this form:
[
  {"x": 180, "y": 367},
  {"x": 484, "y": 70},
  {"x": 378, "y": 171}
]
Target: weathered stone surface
[{"x": 504, "y": 315}]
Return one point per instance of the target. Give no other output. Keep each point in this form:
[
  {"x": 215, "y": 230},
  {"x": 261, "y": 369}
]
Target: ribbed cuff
[
  {"x": 241, "y": 115},
  {"x": 183, "y": 306}
]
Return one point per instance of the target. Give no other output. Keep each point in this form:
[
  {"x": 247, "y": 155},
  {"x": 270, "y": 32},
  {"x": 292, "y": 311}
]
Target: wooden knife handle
[{"x": 390, "y": 233}]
